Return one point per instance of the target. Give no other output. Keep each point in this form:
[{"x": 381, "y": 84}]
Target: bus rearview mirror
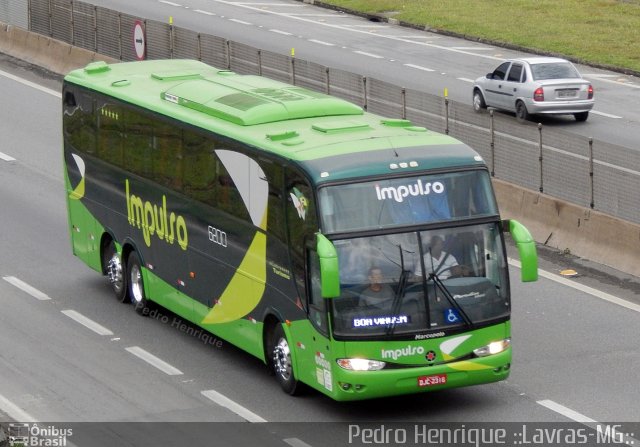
[
  {"x": 329, "y": 269},
  {"x": 526, "y": 249}
]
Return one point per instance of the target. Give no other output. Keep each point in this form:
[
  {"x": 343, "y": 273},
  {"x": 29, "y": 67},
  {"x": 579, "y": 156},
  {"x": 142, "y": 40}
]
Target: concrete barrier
[
  {"x": 552, "y": 222},
  {"x": 583, "y": 232},
  {"x": 54, "y": 55}
]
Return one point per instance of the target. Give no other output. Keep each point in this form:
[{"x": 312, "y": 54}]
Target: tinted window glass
[
  {"x": 500, "y": 72},
  {"x": 515, "y": 73},
  {"x": 561, "y": 70}
]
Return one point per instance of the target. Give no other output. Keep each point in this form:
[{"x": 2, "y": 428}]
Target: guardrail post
[
  {"x": 73, "y": 34},
  {"x": 228, "y": 51},
  {"x": 364, "y": 89},
  {"x": 50, "y": 19},
  {"x": 446, "y": 115},
  {"x": 171, "y": 38},
  {"x": 293, "y": 70},
  {"x": 540, "y": 156},
  {"x": 404, "y": 103},
  {"x": 120, "y": 36},
  {"x": 327, "y": 80},
  {"x": 492, "y": 143},
  {"x": 199, "y": 47},
  {"x": 95, "y": 28},
  {"x": 259, "y": 62},
  {"x": 592, "y": 203}
]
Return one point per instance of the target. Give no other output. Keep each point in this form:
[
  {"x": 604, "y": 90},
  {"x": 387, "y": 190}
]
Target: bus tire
[
  {"x": 282, "y": 363},
  {"x": 113, "y": 269},
  {"x": 135, "y": 282}
]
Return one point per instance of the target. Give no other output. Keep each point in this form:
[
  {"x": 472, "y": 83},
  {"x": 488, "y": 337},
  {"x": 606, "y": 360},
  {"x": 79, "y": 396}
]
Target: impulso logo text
[
  {"x": 395, "y": 354},
  {"x": 153, "y": 219},
  {"x": 418, "y": 188}
]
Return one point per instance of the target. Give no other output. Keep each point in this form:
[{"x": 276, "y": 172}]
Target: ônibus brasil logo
[{"x": 415, "y": 189}]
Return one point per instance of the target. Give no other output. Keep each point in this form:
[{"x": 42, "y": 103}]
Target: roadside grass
[{"x": 603, "y": 32}]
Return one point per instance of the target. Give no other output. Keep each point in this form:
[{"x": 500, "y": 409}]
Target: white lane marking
[
  {"x": 418, "y": 67},
  {"x": 342, "y": 27},
  {"x": 31, "y": 84},
  {"x": 200, "y": 11},
  {"x": 238, "y": 409},
  {"x": 602, "y": 78},
  {"x": 87, "y": 322},
  {"x": 399, "y": 39},
  {"x": 466, "y": 80},
  {"x": 272, "y": 4},
  {"x": 567, "y": 412},
  {"x": 295, "y": 442},
  {"x": 169, "y": 3},
  {"x": 600, "y": 427},
  {"x": 6, "y": 157},
  {"x": 474, "y": 48},
  {"x": 26, "y": 288},
  {"x": 14, "y": 411},
  {"x": 321, "y": 42},
  {"x": 153, "y": 360},
  {"x": 277, "y": 31},
  {"x": 608, "y": 115},
  {"x": 241, "y": 22},
  {"x": 582, "y": 288},
  {"x": 364, "y": 53}
]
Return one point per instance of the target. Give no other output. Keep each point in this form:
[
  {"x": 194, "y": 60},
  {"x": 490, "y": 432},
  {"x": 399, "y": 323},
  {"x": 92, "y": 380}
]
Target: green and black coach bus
[{"x": 361, "y": 256}]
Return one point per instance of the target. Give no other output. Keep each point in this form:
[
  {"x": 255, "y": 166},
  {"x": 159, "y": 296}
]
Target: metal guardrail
[{"x": 578, "y": 169}]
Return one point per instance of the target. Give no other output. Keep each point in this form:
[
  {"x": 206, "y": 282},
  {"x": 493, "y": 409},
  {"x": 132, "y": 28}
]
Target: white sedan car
[{"x": 535, "y": 85}]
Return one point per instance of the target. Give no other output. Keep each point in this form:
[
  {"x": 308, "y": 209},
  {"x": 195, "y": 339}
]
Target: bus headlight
[
  {"x": 495, "y": 347},
  {"x": 360, "y": 364}
]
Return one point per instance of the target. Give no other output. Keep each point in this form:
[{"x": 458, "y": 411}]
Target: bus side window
[
  {"x": 167, "y": 155},
  {"x": 301, "y": 223},
  {"x": 275, "y": 214},
  {"x": 110, "y": 133},
  {"x": 199, "y": 181},
  {"x": 137, "y": 142},
  {"x": 80, "y": 121}
]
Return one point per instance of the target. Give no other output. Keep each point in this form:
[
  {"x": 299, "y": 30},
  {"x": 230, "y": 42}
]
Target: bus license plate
[{"x": 436, "y": 379}]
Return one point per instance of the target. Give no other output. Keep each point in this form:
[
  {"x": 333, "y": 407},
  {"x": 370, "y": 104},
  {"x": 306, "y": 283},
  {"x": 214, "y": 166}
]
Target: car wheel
[
  {"x": 136, "y": 284},
  {"x": 478, "y": 101},
  {"x": 522, "y": 114},
  {"x": 582, "y": 116},
  {"x": 112, "y": 263},
  {"x": 282, "y": 364}
]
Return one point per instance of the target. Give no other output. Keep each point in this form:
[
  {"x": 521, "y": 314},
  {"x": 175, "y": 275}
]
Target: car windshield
[
  {"x": 555, "y": 70},
  {"x": 420, "y": 281},
  {"x": 402, "y": 201}
]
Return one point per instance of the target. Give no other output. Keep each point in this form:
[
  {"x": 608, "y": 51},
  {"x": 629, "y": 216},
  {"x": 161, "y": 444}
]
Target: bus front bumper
[{"x": 358, "y": 385}]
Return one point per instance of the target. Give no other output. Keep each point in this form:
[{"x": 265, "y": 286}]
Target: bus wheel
[
  {"x": 113, "y": 268},
  {"x": 136, "y": 284},
  {"x": 281, "y": 356}
]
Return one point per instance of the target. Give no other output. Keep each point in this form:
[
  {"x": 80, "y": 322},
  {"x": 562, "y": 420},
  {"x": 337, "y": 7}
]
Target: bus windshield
[
  {"x": 421, "y": 281},
  {"x": 403, "y": 201}
]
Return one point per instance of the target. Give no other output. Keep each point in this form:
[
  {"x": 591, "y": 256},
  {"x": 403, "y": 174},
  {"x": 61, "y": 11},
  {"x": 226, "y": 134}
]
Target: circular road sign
[{"x": 139, "y": 41}]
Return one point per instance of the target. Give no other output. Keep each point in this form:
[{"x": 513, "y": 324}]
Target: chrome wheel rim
[
  {"x": 282, "y": 359},
  {"x": 114, "y": 273},
  {"x": 137, "y": 293}
]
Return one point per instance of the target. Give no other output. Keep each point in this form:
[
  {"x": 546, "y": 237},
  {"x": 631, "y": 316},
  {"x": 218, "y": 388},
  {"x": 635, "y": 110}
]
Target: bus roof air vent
[
  {"x": 340, "y": 126},
  {"x": 176, "y": 75},
  {"x": 249, "y": 101},
  {"x": 97, "y": 67}
]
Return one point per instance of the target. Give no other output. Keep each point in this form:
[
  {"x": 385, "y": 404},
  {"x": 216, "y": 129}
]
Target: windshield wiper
[
  {"x": 438, "y": 282},
  {"x": 399, "y": 295}
]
